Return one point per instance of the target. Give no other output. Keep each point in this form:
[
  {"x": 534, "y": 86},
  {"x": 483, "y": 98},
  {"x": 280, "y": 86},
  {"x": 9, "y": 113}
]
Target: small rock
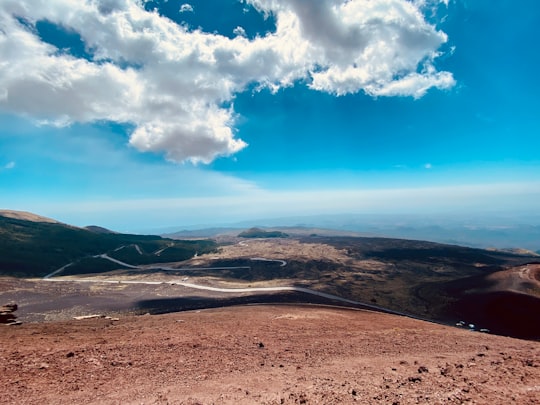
[
  {"x": 6, "y": 314},
  {"x": 8, "y": 308},
  {"x": 447, "y": 370},
  {"x": 423, "y": 369},
  {"x": 93, "y": 316},
  {"x": 261, "y": 345},
  {"x": 70, "y": 354},
  {"x": 13, "y": 323}
]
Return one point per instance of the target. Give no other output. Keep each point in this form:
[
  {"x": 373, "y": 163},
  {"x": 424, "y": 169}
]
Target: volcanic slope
[
  {"x": 412, "y": 277},
  {"x": 264, "y": 355},
  {"x": 421, "y": 279}
]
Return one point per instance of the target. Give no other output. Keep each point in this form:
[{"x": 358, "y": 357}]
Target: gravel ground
[{"x": 270, "y": 354}]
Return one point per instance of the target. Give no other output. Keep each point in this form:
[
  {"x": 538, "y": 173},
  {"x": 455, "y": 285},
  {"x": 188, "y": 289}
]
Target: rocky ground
[{"x": 263, "y": 355}]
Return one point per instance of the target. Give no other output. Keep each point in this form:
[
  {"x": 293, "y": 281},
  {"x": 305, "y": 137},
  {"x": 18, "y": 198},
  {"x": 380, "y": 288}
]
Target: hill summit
[{"x": 26, "y": 216}]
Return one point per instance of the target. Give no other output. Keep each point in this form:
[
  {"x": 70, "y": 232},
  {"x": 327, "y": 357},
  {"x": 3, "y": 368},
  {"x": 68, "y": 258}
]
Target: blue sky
[{"x": 133, "y": 115}]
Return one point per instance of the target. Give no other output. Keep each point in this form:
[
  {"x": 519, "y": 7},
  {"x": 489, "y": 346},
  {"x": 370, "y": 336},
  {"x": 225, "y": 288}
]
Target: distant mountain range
[
  {"x": 33, "y": 245},
  {"x": 500, "y": 232}
]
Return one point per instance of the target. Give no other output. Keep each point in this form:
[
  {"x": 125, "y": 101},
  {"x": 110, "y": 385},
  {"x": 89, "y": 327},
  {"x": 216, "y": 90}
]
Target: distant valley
[
  {"x": 487, "y": 231},
  {"x": 56, "y": 271}
]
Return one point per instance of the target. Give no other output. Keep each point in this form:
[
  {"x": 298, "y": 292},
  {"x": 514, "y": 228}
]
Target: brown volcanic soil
[
  {"x": 26, "y": 216},
  {"x": 506, "y": 302},
  {"x": 264, "y": 354}
]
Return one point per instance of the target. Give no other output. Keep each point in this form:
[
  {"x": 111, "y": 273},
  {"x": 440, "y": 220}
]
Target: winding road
[
  {"x": 112, "y": 259},
  {"x": 220, "y": 289},
  {"x": 243, "y": 290},
  {"x": 282, "y": 263}
]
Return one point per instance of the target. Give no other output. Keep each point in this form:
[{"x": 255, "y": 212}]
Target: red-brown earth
[{"x": 263, "y": 355}]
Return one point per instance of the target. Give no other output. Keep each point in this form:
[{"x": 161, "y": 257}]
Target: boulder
[{"x": 7, "y": 316}]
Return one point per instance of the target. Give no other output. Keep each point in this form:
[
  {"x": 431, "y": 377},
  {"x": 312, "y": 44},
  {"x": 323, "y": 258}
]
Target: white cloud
[
  {"x": 428, "y": 166},
  {"x": 374, "y": 46},
  {"x": 239, "y": 31},
  {"x": 9, "y": 165},
  {"x": 184, "y": 8},
  {"x": 430, "y": 3},
  {"x": 172, "y": 83}
]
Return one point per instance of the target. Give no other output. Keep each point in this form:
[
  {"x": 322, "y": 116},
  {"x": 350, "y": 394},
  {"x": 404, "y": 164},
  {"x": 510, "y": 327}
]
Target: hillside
[
  {"x": 98, "y": 229},
  {"x": 32, "y": 247},
  {"x": 505, "y": 302},
  {"x": 264, "y": 355},
  {"x": 425, "y": 280},
  {"x": 26, "y": 216},
  {"x": 261, "y": 233}
]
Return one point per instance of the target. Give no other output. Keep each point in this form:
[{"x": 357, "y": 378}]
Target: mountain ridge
[
  {"x": 35, "y": 247},
  {"x": 27, "y": 216}
]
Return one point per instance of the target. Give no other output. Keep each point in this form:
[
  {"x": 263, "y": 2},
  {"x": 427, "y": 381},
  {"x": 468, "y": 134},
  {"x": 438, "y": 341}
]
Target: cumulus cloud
[
  {"x": 384, "y": 47},
  {"x": 176, "y": 86},
  {"x": 184, "y": 8},
  {"x": 9, "y": 165},
  {"x": 239, "y": 31}
]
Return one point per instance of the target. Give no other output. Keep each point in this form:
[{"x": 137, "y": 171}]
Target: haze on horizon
[{"x": 135, "y": 114}]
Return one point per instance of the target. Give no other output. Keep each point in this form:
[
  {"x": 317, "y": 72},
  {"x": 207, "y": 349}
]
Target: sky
[{"x": 135, "y": 114}]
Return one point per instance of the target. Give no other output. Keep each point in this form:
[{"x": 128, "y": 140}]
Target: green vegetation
[
  {"x": 162, "y": 251},
  {"x": 259, "y": 233},
  {"x": 89, "y": 265},
  {"x": 32, "y": 249}
]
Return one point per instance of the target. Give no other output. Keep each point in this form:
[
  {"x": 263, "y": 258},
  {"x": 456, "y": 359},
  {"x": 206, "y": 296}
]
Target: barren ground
[{"x": 264, "y": 354}]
